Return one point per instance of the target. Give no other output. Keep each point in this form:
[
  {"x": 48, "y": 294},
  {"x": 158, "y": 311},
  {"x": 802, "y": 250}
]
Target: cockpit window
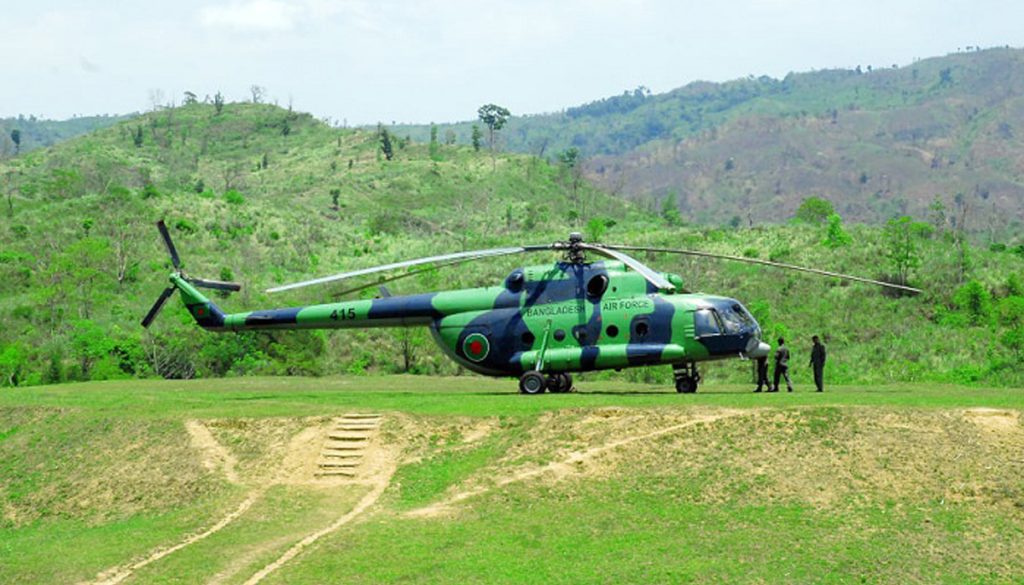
[
  {"x": 705, "y": 323},
  {"x": 735, "y": 319}
]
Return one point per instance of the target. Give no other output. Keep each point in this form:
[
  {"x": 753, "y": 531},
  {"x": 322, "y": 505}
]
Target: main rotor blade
[
  {"x": 767, "y": 263},
  {"x": 382, "y": 281},
  {"x": 641, "y": 268},
  {"x": 215, "y": 284},
  {"x": 159, "y": 304},
  {"x": 465, "y": 256},
  {"x": 160, "y": 225}
]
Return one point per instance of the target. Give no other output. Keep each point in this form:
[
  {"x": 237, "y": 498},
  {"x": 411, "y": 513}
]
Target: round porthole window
[
  {"x": 641, "y": 329},
  {"x": 559, "y": 334},
  {"x": 612, "y": 331},
  {"x": 597, "y": 285}
]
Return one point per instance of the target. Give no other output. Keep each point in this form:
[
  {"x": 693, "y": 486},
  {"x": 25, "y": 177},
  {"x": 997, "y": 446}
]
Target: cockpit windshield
[
  {"x": 726, "y": 318},
  {"x": 735, "y": 318}
]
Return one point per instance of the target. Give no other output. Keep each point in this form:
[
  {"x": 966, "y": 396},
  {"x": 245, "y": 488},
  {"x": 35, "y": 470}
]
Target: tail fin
[{"x": 206, "y": 314}]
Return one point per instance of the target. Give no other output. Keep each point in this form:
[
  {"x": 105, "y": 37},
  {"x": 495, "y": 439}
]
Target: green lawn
[{"x": 899, "y": 483}]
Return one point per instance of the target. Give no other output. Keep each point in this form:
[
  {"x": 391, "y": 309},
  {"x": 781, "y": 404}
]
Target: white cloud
[{"x": 252, "y": 15}]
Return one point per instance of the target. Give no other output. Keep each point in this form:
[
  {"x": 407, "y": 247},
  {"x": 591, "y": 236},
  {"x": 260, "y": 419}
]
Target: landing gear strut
[{"x": 687, "y": 379}]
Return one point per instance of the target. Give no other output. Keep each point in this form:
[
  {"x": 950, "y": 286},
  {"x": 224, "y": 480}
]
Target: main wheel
[
  {"x": 532, "y": 382},
  {"x": 567, "y": 381},
  {"x": 559, "y": 383},
  {"x": 686, "y": 385}
]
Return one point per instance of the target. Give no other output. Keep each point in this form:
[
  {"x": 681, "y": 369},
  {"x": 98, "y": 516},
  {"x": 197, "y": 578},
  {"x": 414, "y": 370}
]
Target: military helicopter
[{"x": 541, "y": 324}]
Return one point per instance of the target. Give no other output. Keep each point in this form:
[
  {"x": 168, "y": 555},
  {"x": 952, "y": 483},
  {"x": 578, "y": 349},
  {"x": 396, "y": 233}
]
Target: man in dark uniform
[
  {"x": 782, "y": 366},
  {"x": 762, "y": 374},
  {"x": 818, "y": 363}
]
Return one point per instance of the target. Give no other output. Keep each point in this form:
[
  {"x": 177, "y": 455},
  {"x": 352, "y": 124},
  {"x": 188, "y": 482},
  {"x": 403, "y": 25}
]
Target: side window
[
  {"x": 705, "y": 323},
  {"x": 597, "y": 285}
]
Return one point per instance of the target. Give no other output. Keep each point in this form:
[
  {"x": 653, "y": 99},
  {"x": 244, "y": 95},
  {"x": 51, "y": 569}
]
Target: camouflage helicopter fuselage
[{"x": 561, "y": 317}]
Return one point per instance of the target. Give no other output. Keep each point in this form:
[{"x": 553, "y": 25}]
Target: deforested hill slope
[
  {"x": 255, "y": 193},
  {"x": 876, "y": 141},
  {"x": 265, "y": 196}
]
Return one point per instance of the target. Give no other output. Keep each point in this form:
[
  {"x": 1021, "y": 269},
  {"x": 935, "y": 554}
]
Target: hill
[
  {"x": 264, "y": 195},
  {"x": 454, "y": 481},
  {"x": 33, "y": 133},
  {"x": 876, "y": 142}
]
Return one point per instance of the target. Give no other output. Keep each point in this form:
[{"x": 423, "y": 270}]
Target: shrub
[
  {"x": 974, "y": 300},
  {"x": 234, "y": 197}
]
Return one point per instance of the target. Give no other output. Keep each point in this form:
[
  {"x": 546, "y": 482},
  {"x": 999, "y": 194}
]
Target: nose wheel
[{"x": 687, "y": 379}]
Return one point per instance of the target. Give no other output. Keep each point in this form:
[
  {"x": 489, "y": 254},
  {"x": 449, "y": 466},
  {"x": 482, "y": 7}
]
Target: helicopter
[{"x": 541, "y": 324}]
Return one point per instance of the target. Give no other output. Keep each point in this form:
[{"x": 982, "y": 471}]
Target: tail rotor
[{"x": 178, "y": 276}]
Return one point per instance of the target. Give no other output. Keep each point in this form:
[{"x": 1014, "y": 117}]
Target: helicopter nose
[{"x": 757, "y": 349}]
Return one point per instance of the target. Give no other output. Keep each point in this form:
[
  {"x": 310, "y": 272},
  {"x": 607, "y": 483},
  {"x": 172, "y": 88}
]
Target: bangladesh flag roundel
[{"x": 476, "y": 347}]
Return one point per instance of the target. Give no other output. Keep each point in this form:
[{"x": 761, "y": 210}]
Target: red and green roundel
[{"x": 476, "y": 347}]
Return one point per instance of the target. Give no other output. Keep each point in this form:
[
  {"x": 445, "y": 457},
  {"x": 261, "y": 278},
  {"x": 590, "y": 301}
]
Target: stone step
[
  {"x": 330, "y": 472},
  {"x": 346, "y": 437},
  {"x": 343, "y": 455},
  {"x": 338, "y": 464},
  {"x": 344, "y": 447},
  {"x": 361, "y": 415}
]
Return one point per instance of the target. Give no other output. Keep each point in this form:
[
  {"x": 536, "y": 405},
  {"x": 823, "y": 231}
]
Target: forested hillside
[
  {"x": 878, "y": 142},
  {"x": 264, "y": 195},
  {"x": 23, "y": 134}
]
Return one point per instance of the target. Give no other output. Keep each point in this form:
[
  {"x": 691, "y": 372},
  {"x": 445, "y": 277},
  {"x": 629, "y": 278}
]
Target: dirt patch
[
  {"x": 214, "y": 457},
  {"x": 995, "y": 421}
]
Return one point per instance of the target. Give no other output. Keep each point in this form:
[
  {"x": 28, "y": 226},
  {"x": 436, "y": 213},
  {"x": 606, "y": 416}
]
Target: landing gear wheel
[
  {"x": 686, "y": 385},
  {"x": 559, "y": 383},
  {"x": 532, "y": 382}
]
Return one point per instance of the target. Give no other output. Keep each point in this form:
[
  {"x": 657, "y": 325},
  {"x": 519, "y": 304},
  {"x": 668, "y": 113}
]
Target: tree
[
  {"x": 815, "y": 210},
  {"x": 670, "y": 211},
  {"x": 494, "y": 117},
  {"x": 258, "y": 92},
  {"x": 836, "y": 236},
  {"x": 16, "y": 139},
  {"x": 476, "y": 136},
  {"x": 12, "y": 362},
  {"x": 434, "y": 148},
  {"x": 190, "y": 98},
  {"x": 385, "y": 143},
  {"x": 900, "y": 247},
  {"x": 218, "y": 103},
  {"x": 137, "y": 136},
  {"x": 572, "y": 172}
]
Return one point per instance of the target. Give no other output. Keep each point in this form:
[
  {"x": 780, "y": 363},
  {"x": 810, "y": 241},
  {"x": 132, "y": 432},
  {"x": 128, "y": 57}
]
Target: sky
[{"x": 368, "y": 61}]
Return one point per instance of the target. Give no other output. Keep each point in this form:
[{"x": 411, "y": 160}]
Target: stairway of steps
[{"x": 346, "y": 442}]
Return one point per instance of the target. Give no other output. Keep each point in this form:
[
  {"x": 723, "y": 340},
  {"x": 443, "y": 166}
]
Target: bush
[
  {"x": 975, "y": 302},
  {"x": 234, "y": 197},
  {"x": 836, "y": 236}
]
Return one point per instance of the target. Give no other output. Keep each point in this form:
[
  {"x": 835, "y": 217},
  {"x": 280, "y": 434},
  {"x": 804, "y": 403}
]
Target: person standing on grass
[
  {"x": 782, "y": 366},
  {"x": 818, "y": 363},
  {"x": 762, "y": 374}
]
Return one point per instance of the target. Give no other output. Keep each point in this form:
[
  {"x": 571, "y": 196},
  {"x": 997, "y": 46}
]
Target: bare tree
[{"x": 258, "y": 93}]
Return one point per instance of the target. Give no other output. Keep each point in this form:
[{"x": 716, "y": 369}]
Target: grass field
[{"x": 467, "y": 481}]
